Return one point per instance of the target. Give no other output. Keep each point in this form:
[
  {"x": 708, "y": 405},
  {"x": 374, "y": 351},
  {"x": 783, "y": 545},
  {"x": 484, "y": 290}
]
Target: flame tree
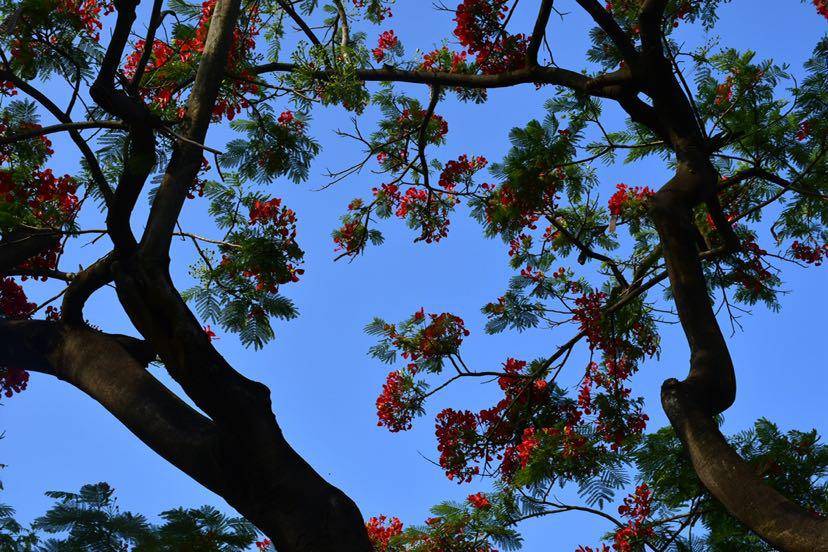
[{"x": 749, "y": 167}]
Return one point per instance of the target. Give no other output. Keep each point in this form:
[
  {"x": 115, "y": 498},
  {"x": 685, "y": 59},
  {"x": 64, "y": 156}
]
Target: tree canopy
[{"x": 602, "y": 266}]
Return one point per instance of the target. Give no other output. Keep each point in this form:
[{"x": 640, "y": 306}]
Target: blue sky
[{"x": 324, "y": 385}]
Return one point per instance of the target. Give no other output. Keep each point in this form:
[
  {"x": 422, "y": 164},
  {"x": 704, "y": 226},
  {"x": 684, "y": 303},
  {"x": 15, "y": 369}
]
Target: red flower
[
  {"x": 627, "y": 197},
  {"x": 822, "y": 7},
  {"x": 527, "y": 446},
  {"x": 460, "y": 170},
  {"x": 479, "y": 30},
  {"x": 397, "y": 403},
  {"x": 387, "y": 41},
  {"x": 479, "y": 501},
  {"x": 811, "y": 255},
  {"x": 13, "y": 300},
  {"x": 381, "y": 530},
  {"x": 12, "y": 380},
  {"x": 211, "y": 335}
]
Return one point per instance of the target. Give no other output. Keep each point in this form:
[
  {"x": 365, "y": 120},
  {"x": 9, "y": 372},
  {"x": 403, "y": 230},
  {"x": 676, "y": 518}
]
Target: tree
[
  {"x": 91, "y": 520},
  {"x": 748, "y": 158}
]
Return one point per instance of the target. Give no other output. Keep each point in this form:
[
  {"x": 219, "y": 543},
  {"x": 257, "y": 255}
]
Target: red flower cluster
[
  {"x": 523, "y": 242},
  {"x": 752, "y": 274},
  {"x": 460, "y": 170},
  {"x": 618, "y": 417},
  {"x": 811, "y": 255},
  {"x": 501, "y": 432},
  {"x": 7, "y": 88},
  {"x": 397, "y": 403},
  {"x": 288, "y": 120},
  {"x": 527, "y": 446},
  {"x": 381, "y": 530},
  {"x": 49, "y": 199},
  {"x": 822, "y": 7},
  {"x": 440, "y": 337},
  {"x": 588, "y": 312},
  {"x": 272, "y": 212},
  {"x": 387, "y": 41},
  {"x": 264, "y": 253},
  {"x": 264, "y": 545},
  {"x": 13, "y": 300},
  {"x": 458, "y": 444},
  {"x": 529, "y": 273},
  {"x": 165, "y": 88},
  {"x": 479, "y": 30},
  {"x": 511, "y": 206},
  {"x": 412, "y": 197},
  {"x": 479, "y": 501},
  {"x": 627, "y": 198},
  {"x": 12, "y": 380},
  {"x": 636, "y": 508},
  {"x": 350, "y": 237},
  {"x": 13, "y": 304},
  {"x": 804, "y": 131},
  {"x": 724, "y": 92},
  {"x": 445, "y": 61},
  {"x": 88, "y": 12},
  {"x": 47, "y": 259},
  {"x": 428, "y": 211}
]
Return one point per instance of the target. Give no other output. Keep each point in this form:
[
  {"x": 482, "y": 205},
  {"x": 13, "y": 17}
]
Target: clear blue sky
[{"x": 324, "y": 385}]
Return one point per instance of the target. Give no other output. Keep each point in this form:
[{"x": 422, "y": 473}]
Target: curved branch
[
  {"x": 83, "y": 285},
  {"x": 735, "y": 484},
  {"x": 101, "y": 366},
  {"x": 710, "y": 387},
  {"x": 766, "y": 175},
  {"x": 155, "y": 21}
]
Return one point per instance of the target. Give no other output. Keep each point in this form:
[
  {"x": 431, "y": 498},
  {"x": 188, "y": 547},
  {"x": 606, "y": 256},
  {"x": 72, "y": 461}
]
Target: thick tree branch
[
  {"x": 99, "y": 365},
  {"x": 186, "y": 157},
  {"x": 539, "y": 32},
  {"x": 651, "y": 20},
  {"x": 141, "y": 156},
  {"x": 735, "y": 484},
  {"x": 710, "y": 387},
  {"x": 103, "y": 91},
  {"x": 527, "y": 75}
]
